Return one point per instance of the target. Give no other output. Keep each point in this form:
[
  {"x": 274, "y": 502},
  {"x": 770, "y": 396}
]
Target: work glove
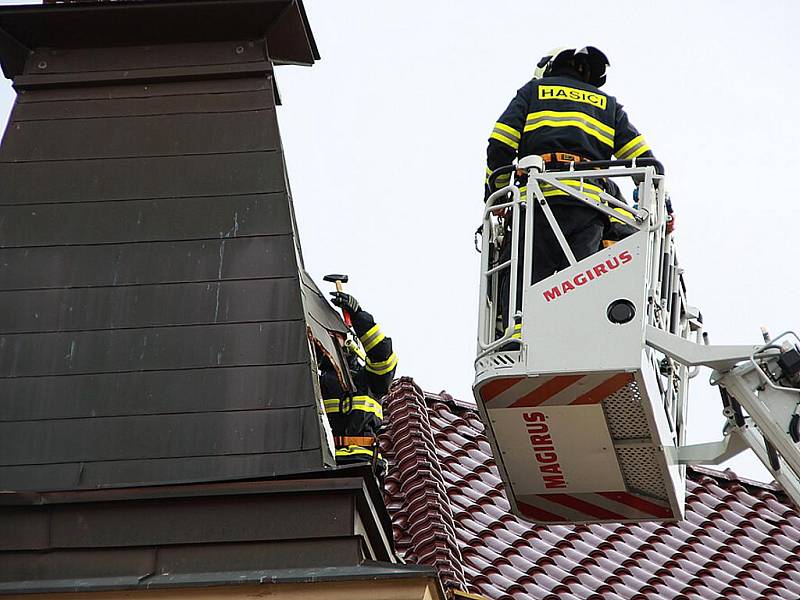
[{"x": 345, "y": 301}]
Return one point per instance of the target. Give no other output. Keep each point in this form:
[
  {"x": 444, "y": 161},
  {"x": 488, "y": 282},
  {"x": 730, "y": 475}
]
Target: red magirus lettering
[
  {"x": 585, "y": 277},
  {"x": 532, "y": 417},
  {"x": 552, "y": 294},
  {"x": 543, "y": 450},
  {"x": 554, "y": 481}
]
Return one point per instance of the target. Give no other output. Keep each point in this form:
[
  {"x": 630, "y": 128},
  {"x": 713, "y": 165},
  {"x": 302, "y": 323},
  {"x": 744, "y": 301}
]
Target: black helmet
[
  {"x": 593, "y": 59},
  {"x": 596, "y": 62}
]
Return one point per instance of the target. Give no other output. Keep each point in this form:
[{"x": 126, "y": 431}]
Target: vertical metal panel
[{"x": 151, "y": 322}]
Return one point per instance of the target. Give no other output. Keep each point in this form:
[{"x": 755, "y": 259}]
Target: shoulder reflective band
[
  {"x": 584, "y": 122},
  {"x": 507, "y": 135},
  {"x": 560, "y": 92},
  {"x": 372, "y": 338},
  {"x": 636, "y": 147},
  {"x": 382, "y": 367}
]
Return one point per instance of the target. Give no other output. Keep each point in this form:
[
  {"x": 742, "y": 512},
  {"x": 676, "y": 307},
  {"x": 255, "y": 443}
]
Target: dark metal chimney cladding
[{"x": 153, "y": 327}]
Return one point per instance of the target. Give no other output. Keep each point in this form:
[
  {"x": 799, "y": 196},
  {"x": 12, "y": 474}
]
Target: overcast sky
[{"x": 385, "y": 140}]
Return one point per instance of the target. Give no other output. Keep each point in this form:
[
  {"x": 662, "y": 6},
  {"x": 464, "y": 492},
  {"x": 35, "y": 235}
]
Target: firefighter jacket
[
  {"x": 358, "y": 413},
  {"x": 563, "y": 114}
]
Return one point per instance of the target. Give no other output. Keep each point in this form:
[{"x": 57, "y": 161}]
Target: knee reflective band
[
  {"x": 382, "y": 367},
  {"x": 348, "y": 404},
  {"x": 548, "y": 190},
  {"x": 372, "y": 338},
  {"x": 354, "y": 450},
  {"x": 621, "y": 211}
]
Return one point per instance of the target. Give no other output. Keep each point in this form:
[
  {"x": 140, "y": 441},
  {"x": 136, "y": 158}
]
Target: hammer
[{"x": 340, "y": 280}]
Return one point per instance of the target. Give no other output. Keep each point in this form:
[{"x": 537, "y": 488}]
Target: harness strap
[{"x": 345, "y": 440}]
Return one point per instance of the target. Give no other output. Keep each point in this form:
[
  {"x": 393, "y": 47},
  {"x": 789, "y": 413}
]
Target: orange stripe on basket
[
  {"x": 538, "y": 514},
  {"x": 497, "y": 386},
  {"x": 547, "y": 390},
  {"x": 639, "y": 503},
  {"x": 582, "y": 506},
  {"x": 605, "y": 389}
]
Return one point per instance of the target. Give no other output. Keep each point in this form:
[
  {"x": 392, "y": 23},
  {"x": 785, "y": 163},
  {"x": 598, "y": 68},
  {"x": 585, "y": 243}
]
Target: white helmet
[{"x": 545, "y": 65}]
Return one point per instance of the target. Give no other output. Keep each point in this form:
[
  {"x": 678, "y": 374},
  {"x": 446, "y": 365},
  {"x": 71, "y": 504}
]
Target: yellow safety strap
[
  {"x": 382, "y": 367},
  {"x": 372, "y": 338},
  {"x": 571, "y": 118}
]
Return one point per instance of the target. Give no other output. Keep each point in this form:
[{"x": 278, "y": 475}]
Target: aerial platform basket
[{"x": 584, "y": 418}]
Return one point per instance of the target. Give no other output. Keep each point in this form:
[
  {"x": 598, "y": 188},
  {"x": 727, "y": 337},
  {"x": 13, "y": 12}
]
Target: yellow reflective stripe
[
  {"x": 354, "y": 450},
  {"x": 639, "y": 151},
  {"x": 372, "y": 338},
  {"x": 570, "y": 114},
  {"x": 503, "y": 137},
  {"x": 517, "y": 335},
  {"x": 584, "y": 122},
  {"x": 367, "y": 404},
  {"x": 502, "y": 180},
  {"x": 636, "y": 147},
  {"x": 382, "y": 367},
  {"x": 512, "y": 133},
  {"x": 621, "y": 211},
  {"x": 507, "y": 135},
  {"x": 594, "y": 197},
  {"x": 372, "y": 331},
  {"x": 573, "y": 183},
  {"x": 362, "y": 403},
  {"x": 591, "y": 190}
]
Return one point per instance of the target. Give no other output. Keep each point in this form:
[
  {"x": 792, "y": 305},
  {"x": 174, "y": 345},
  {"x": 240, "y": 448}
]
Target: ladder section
[{"x": 761, "y": 398}]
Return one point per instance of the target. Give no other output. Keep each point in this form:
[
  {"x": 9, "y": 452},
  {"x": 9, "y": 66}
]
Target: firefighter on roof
[
  {"x": 562, "y": 115},
  {"x": 356, "y": 415}
]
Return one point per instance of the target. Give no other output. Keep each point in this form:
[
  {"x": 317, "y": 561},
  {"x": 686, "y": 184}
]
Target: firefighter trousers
[{"x": 583, "y": 229}]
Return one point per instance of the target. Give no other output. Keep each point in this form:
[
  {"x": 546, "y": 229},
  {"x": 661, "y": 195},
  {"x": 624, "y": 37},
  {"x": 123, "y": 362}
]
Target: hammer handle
[{"x": 345, "y": 315}]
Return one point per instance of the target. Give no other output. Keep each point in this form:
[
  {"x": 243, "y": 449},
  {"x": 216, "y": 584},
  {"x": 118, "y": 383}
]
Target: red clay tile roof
[{"x": 740, "y": 539}]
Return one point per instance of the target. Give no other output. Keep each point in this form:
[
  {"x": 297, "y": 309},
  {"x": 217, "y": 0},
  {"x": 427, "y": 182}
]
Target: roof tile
[{"x": 740, "y": 539}]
